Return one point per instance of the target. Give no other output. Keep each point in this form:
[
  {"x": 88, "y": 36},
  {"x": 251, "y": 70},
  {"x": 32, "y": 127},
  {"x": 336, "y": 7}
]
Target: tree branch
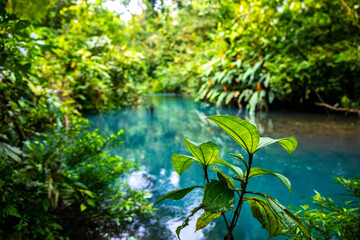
[{"x": 352, "y": 110}]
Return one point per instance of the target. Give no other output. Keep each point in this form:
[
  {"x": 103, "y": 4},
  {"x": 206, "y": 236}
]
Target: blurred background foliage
[
  {"x": 58, "y": 180},
  {"x": 253, "y": 54},
  {"x": 258, "y": 53}
]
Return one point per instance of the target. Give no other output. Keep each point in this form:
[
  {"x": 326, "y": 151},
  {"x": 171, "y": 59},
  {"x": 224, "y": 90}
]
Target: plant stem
[
  {"x": 205, "y": 173},
  {"x": 240, "y": 202}
]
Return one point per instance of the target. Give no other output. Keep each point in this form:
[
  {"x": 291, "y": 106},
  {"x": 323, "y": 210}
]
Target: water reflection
[
  {"x": 328, "y": 146},
  {"x": 141, "y": 180}
]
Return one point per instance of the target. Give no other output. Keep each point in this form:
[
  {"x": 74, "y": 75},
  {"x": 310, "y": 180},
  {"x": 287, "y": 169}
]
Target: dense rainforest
[
  {"x": 60, "y": 59},
  {"x": 251, "y": 53}
]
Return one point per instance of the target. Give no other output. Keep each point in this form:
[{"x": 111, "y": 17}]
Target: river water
[{"x": 328, "y": 146}]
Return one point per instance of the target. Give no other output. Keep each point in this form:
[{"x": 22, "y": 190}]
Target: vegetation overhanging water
[{"x": 328, "y": 147}]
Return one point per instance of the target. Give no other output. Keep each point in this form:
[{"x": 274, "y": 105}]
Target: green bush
[
  {"x": 63, "y": 183},
  {"x": 331, "y": 221},
  {"x": 57, "y": 180},
  {"x": 299, "y": 52}
]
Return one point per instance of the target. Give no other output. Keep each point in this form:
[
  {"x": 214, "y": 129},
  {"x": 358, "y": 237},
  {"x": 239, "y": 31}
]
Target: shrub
[
  {"x": 331, "y": 221},
  {"x": 63, "y": 183}
]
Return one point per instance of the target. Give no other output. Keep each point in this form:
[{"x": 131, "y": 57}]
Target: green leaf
[
  {"x": 236, "y": 169},
  {"x": 217, "y": 197},
  {"x": 186, "y": 222},
  {"x": 90, "y": 202},
  {"x": 10, "y": 151},
  {"x": 83, "y": 207},
  {"x": 239, "y": 156},
  {"x": 271, "y": 97},
  {"x": 243, "y": 132},
  {"x": 255, "y": 68},
  {"x": 181, "y": 162},
  {"x": 221, "y": 98},
  {"x": 255, "y": 171},
  {"x": 263, "y": 213},
  {"x": 287, "y": 218},
  {"x": 22, "y": 24},
  {"x": 205, "y": 153},
  {"x": 289, "y": 143},
  {"x": 205, "y": 219},
  {"x": 12, "y": 211},
  {"x": 247, "y": 74},
  {"x": 224, "y": 178},
  {"x": 14, "y": 149},
  {"x": 251, "y": 106},
  {"x": 177, "y": 194},
  {"x": 229, "y": 97}
]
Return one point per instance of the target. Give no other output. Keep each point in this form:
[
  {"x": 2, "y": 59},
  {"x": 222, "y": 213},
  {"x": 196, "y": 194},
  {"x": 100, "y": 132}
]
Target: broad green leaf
[
  {"x": 205, "y": 219},
  {"x": 181, "y": 162},
  {"x": 177, "y": 194},
  {"x": 186, "y": 222},
  {"x": 221, "y": 98},
  {"x": 262, "y": 212},
  {"x": 204, "y": 152},
  {"x": 217, "y": 197},
  {"x": 243, "y": 132},
  {"x": 255, "y": 171},
  {"x": 11, "y": 210},
  {"x": 251, "y": 106},
  {"x": 247, "y": 74},
  {"x": 224, "y": 178},
  {"x": 289, "y": 143},
  {"x": 287, "y": 218},
  {"x": 229, "y": 97},
  {"x": 214, "y": 94}
]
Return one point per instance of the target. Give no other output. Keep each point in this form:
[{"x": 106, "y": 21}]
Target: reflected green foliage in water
[{"x": 152, "y": 138}]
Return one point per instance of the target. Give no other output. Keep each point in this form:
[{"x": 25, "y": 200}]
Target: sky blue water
[{"x": 328, "y": 146}]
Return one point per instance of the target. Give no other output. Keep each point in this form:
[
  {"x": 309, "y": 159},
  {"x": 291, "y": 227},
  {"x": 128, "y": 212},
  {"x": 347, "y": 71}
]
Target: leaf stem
[
  {"x": 206, "y": 173},
  {"x": 240, "y": 202}
]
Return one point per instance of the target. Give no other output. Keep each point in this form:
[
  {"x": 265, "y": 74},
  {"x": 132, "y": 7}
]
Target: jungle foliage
[
  {"x": 78, "y": 51},
  {"x": 57, "y": 179},
  {"x": 257, "y": 53},
  {"x": 253, "y": 54}
]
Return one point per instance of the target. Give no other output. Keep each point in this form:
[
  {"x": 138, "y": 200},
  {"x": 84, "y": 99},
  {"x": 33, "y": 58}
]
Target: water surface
[{"x": 328, "y": 146}]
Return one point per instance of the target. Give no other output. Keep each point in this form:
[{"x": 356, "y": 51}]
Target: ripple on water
[{"x": 141, "y": 180}]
